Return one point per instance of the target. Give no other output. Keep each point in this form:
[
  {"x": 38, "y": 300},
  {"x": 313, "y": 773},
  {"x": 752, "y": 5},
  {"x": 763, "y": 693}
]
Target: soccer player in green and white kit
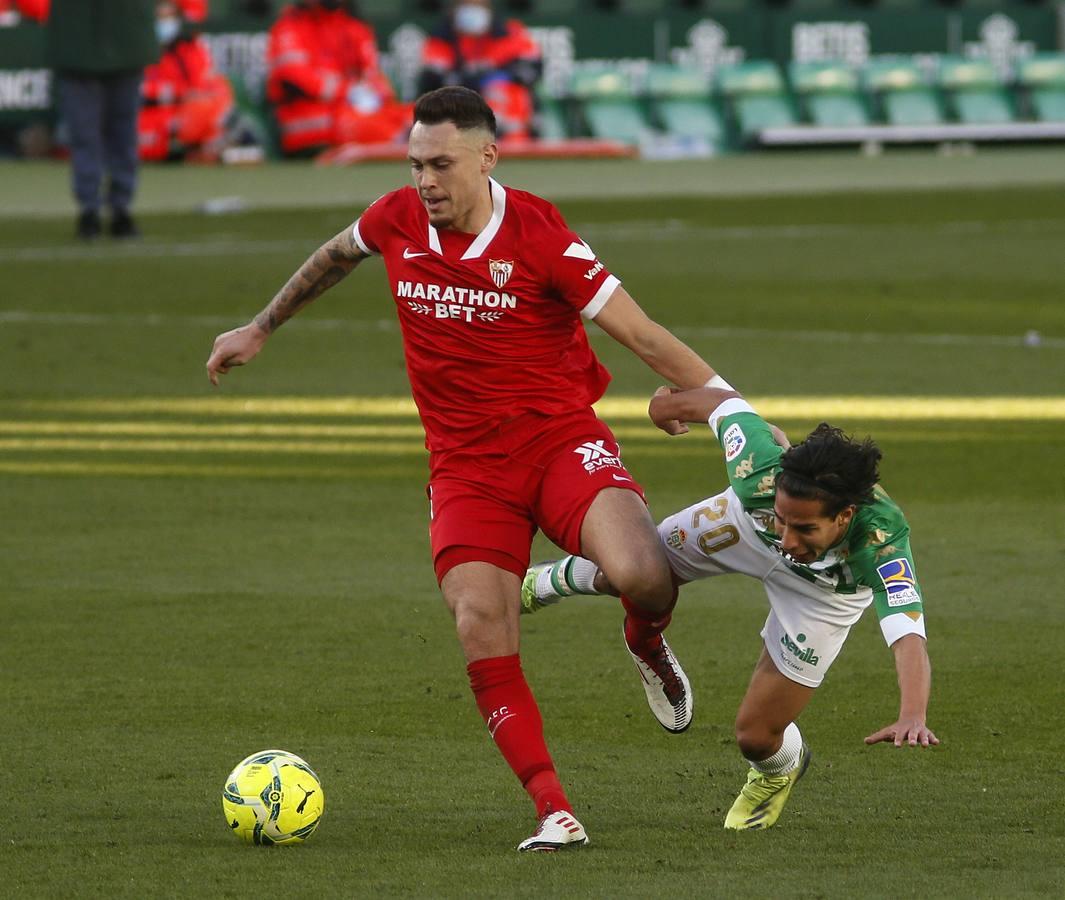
[{"x": 814, "y": 526}]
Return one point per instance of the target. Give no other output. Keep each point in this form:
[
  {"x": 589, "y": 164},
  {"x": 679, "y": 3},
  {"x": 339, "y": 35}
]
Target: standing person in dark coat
[{"x": 99, "y": 49}]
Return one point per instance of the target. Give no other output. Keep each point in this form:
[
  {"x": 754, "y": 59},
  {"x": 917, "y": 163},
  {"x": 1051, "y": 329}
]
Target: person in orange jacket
[
  {"x": 497, "y": 58},
  {"x": 185, "y": 101},
  {"x": 37, "y": 10},
  {"x": 325, "y": 82}
]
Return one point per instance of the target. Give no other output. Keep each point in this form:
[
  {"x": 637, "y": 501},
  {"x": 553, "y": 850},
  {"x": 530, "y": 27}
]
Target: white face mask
[
  {"x": 472, "y": 19},
  {"x": 167, "y": 29}
]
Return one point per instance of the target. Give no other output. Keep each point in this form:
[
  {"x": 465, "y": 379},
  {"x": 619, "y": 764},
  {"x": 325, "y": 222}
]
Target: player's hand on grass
[
  {"x": 234, "y": 348},
  {"x": 905, "y": 732},
  {"x": 662, "y": 414}
]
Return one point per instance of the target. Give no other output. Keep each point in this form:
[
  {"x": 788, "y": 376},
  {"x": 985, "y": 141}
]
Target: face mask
[
  {"x": 471, "y": 19},
  {"x": 167, "y": 29}
]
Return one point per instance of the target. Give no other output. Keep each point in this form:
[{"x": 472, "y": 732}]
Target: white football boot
[
  {"x": 669, "y": 694},
  {"x": 556, "y": 831}
]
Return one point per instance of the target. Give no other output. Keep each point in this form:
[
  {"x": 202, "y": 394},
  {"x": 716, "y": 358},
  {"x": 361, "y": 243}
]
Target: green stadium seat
[
  {"x": 610, "y": 109},
  {"x": 976, "y": 94},
  {"x": 757, "y": 96},
  {"x": 905, "y": 97},
  {"x": 1043, "y": 77},
  {"x": 680, "y": 98},
  {"x": 829, "y": 91},
  {"x": 552, "y": 121}
]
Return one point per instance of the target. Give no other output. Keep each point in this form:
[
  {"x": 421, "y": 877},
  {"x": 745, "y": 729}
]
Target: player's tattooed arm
[{"x": 328, "y": 265}]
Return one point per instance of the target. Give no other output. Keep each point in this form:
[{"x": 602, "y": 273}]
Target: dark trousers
[{"x": 100, "y": 112}]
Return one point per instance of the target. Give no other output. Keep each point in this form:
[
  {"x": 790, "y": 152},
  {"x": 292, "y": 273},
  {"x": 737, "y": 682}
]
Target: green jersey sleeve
[
  {"x": 752, "y": 457},
  {"x": 881, "y": 560}
]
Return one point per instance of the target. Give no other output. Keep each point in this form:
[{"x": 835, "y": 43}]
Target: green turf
[{"x": 171, "y": 604}]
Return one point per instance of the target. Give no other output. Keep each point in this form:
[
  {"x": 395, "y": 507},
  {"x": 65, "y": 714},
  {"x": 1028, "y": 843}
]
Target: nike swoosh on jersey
[
  {"x": 408, "y": 255},
  {"x": 619, "y": 478}
]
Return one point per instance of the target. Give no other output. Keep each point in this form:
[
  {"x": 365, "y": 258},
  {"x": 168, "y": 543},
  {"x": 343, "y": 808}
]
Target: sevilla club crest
[{"x": 501, "y": 270}]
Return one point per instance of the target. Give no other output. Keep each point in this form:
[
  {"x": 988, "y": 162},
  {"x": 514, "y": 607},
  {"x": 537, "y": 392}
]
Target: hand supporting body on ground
[{"x": 765, "y": 728}]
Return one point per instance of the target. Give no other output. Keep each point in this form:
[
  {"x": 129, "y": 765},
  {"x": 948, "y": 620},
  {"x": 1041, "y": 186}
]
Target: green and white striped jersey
[{"x": 875, "y": 551}]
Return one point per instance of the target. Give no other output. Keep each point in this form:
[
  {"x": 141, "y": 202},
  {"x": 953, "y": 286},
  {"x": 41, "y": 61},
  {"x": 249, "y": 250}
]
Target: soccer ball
[{"x": 273, "y": 797}]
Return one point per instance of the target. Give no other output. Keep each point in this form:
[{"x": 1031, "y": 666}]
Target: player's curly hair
[
  {"x": 829, "y": 466},
  {"x": 465, "y": 108}
]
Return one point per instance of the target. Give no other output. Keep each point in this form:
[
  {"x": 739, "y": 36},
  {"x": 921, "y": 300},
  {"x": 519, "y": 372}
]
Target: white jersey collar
[{"x": 481, "y": 242}]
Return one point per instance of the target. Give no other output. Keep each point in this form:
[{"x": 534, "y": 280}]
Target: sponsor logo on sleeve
[
  {"x": 899, "y": 582},
  {"x": 734, "y": 440},
  {"x": 579, "y": 251}
]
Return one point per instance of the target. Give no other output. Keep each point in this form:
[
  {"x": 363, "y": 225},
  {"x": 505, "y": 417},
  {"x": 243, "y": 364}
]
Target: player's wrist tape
[
  {"x": 718, "y": 382},
  {"x": 728, "y": 407}
]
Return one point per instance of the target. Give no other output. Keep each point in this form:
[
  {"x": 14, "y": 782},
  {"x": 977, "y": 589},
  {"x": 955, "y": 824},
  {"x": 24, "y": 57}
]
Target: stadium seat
[
  {"x": 757, "y": 96},
  {"x": 975, "y": 92},
  {"x": 610, "y": 109},
  {"x": 551, "y": 117},
  {"x": 1043, "y": 78},
  {"x": 905, "y": 97},
  {"x": 829, "y": 92},
  {"x": 680, "y": 99}
]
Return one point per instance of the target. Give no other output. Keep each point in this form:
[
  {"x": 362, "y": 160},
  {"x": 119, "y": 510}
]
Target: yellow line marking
[
  {"x": 924, "y": 408},
  {"x": 153, "y": 470},
  {"x": 227, "y": 429},
  {"x": 323, "y": 448}
]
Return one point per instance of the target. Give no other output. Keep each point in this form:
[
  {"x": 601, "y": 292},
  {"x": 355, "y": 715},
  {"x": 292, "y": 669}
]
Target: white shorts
[{"x": 807, "y": 624}]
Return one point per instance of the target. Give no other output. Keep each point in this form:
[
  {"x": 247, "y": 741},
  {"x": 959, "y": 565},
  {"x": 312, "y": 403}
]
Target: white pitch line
[
  {"x": 159, "y": 320},
  {"x": 646, "y": 231}
]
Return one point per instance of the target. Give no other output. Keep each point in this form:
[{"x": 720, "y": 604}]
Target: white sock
[
  {"x": 786, "y": 758},
  {"x": 570, "y": 575}
]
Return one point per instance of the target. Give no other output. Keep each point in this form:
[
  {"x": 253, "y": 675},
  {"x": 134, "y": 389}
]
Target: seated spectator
[
  {"x": 36, "y": 10},
  {"x": 186, "y": 103},
  {"x": 499, "y": 59},
  {"x": 325, "y": 82}
]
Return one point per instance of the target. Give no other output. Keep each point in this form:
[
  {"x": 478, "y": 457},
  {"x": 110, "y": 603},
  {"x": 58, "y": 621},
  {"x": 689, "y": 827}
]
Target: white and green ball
[{"x": 273, "y": 797}]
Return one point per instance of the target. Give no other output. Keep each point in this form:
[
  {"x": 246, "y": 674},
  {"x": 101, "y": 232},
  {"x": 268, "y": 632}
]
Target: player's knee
[
  {"x": 756, "y": 740},
  {"x": 641, "y": 573}
]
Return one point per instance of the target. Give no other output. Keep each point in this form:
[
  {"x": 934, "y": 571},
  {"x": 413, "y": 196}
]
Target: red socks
[
  {"x": 514, "y": 722},
  {"x": 641, "y": 626}
]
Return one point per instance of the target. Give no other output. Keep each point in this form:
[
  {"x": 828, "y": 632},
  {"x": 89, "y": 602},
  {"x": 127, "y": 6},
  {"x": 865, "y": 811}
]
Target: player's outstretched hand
[
  {"x": 234, "y": 348},
  {"x": 662, "y": 413},
  {"x": 905, "y": 732}
]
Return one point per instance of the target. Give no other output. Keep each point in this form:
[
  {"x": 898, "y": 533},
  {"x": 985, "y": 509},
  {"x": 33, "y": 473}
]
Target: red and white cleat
[
  {"x": 556, "y": 831},
  {"x": 668, "y": 692}
]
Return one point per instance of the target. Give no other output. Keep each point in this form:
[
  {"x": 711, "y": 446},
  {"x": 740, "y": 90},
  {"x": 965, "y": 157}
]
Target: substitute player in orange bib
[{"x": 491, "y": 287}]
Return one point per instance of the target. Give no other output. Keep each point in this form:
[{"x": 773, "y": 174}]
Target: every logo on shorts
[
  {"x": 501, "y": 270},
  {"x": 595, "y": 456}
]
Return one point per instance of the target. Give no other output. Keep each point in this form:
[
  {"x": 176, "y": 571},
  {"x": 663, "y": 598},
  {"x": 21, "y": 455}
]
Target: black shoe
[
  {"x": 89, "y": 225},
  {"x": 123, "y": 226}
]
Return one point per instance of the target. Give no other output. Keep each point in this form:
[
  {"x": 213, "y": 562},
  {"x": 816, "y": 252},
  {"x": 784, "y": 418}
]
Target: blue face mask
[
  {"x": 167, "y": 29},
  {"x": 472, "y": 19}
]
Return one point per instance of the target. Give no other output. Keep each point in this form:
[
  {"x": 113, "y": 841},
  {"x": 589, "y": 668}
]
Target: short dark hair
[
  {"x": 829, "y": 466},
  {"x": 466, "y": 109}
]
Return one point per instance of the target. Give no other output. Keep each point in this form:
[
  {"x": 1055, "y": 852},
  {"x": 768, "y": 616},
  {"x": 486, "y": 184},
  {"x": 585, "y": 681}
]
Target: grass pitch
[{"x": 190, "y": 576}]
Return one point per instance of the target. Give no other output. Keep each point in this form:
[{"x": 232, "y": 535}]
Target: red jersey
[{"x": 491, "y": 322}]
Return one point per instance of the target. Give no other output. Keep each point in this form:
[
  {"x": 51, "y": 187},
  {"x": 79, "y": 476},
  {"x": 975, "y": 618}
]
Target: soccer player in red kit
[{"x": 490, "y": 287}]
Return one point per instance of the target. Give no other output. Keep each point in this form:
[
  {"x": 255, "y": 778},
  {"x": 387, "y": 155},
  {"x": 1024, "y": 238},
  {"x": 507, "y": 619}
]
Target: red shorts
[{"x": 486, "y": 501}]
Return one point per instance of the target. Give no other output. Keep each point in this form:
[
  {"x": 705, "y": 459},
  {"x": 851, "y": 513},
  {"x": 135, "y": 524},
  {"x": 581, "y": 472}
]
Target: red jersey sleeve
[
  {"x": 576, "y": 273},
  {"x": 370, "y": 230}
]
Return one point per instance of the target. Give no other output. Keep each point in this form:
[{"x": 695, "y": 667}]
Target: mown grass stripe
[{"x": 1027, "y": 408}]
